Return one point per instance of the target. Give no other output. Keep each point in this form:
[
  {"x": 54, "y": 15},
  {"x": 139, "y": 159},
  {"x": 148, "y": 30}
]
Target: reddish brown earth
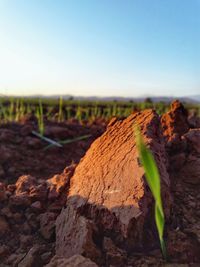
[
  {"x": 23, "y": 153},
  {"x": 55, "y": 211}
]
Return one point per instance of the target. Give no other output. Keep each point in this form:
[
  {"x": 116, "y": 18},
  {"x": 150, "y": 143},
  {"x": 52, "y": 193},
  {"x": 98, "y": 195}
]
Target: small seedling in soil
[
  {"x": 48, "y": 140},
  {"x": 153, "y": 180},
  {"x": 69, "y": 141}
]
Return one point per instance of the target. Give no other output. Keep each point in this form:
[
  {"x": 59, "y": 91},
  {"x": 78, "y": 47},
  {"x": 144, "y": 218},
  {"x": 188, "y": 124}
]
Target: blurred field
[{"x": 14, "y": 109}]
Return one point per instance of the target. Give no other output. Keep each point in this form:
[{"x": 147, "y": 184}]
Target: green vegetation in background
[
  {"x": 153, "y": 180},
  {"x": 13, "y": 109}
]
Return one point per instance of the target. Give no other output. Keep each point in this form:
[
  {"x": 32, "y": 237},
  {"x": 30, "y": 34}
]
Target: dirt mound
[
  {"x": 175, "y": 124},
  {"x": 108, "y": 195},
  {"x": 175, "y": 121}
]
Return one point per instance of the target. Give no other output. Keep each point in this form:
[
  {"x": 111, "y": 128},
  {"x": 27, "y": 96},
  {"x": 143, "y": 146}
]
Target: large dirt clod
[{"x": 108, "y": 189}]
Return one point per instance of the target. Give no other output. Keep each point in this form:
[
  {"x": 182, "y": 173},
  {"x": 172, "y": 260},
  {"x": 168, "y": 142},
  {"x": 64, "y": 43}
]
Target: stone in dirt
[
  {"x": 38, "y": 192},
  {"x": 24, "y": 184},
  {"x": 74, "y": 261},
  {"x": 60, "y": 182},
  {"x": 108, "y": 190}
]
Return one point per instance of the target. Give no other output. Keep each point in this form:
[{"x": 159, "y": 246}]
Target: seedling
[
  {"x": 39, "y": 115},
  {"x": 69, "y": 141},
  {"x": 68, "y": 110},
  {"x": 17, "y": 110},
  {"x": 153, "y": 180},
  {"x": 11, "y": 110},
  {"x": 48, "y": 140},
  {"x": 3, "y": 112},
  {"x": 22, "y": 108},
  {"x": 60, "y": 114},
  {"x": 79, "y": 114}
]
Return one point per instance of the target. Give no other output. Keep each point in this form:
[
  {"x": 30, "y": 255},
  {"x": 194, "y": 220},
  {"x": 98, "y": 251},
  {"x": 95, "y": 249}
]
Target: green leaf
[
  {"x": 69, "y": 141},
  {"x": 153, "y": 180}
]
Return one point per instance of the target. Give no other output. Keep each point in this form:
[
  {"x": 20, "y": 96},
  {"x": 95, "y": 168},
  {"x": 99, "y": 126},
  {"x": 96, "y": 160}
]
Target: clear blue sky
[{"x": 100, "y": 47}]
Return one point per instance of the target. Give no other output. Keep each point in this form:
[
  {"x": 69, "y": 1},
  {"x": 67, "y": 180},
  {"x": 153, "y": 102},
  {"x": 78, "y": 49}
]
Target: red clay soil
[
  {"x": 100, "y": 211},
  {"x": 23, "y": 153}
]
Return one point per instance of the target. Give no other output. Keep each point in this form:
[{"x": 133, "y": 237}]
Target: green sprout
[
  {"x": 153, "y": 180},
  {"x": 17, "y": 110},
  {"x": 39, "y": 115},
  {"x": 69, "y": 141},
  {"x": 11, "y": 110},
  {"x": 60, "y": 114},
  {"x": 4, "y": 115},
  {"x": 22, "y": 108},
  {"x": 79, "y": 113}
]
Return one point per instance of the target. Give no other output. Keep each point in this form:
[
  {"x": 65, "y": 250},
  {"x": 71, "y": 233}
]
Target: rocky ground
[{"x": 57, "y": 211}]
